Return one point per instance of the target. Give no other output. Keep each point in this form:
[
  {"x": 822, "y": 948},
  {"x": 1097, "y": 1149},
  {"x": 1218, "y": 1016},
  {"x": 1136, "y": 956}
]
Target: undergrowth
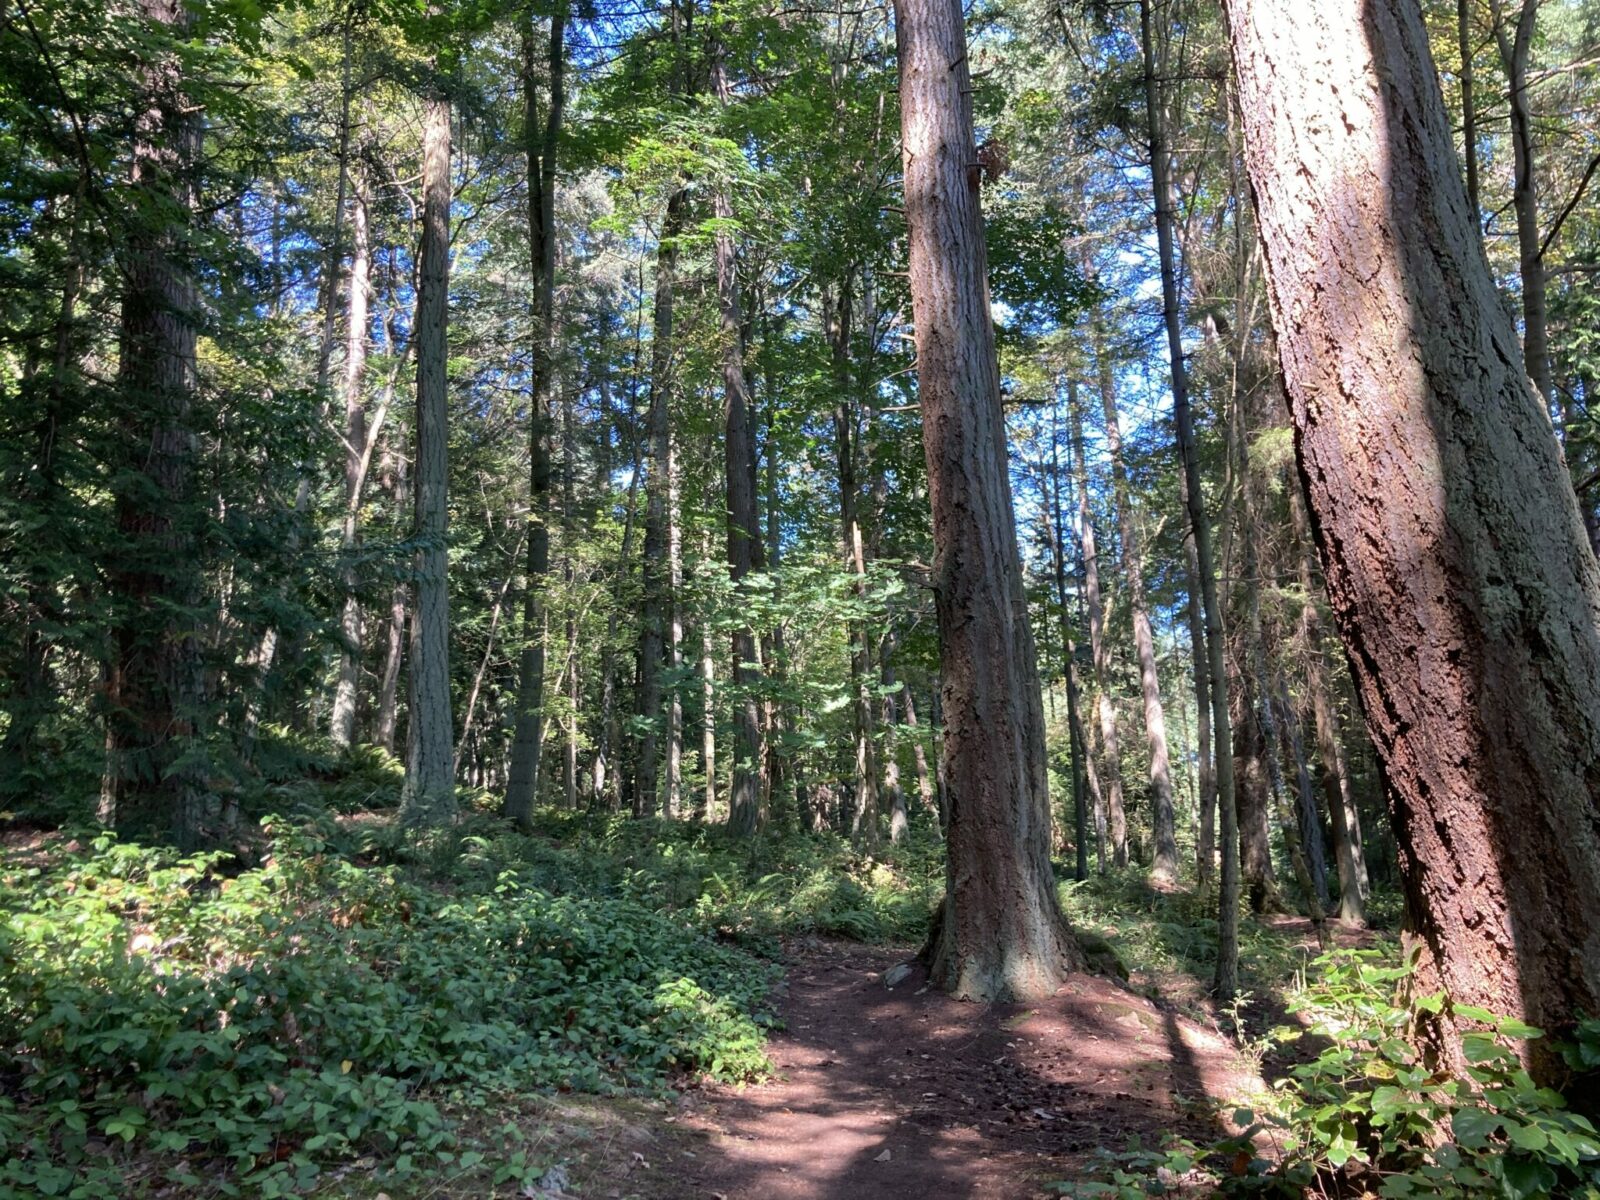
[{"x": 332, "y": 989}]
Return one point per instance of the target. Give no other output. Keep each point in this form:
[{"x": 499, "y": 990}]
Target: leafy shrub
[
  {"x": 1368, "y": 1100},
  {"x": 313, "y": 1009},
  {"x": 1366, "y": 1116}
]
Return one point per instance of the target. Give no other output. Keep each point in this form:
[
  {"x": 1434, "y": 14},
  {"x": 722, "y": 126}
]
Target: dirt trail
[{"x": 905, "y": 1093}]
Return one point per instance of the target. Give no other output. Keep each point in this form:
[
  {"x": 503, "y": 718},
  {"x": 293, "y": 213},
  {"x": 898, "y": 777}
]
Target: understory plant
[
  {"x": 250, "y": 1028},
  {"x": 1366, "y": 1115}
]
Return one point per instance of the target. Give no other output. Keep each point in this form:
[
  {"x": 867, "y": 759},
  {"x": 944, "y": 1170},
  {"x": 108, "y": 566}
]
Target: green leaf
[{"x": 1473, "y": 1127}]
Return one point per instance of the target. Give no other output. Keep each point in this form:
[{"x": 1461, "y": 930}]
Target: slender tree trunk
[
  {"x": 386, "y": 720},
  {"x": 1069, "y": 653},
  {"x": 429, "y": 797},
  {"x": 744, "y": 533},
  {"x": 999, "y": 933},
  {"x": 1514, "y": 52},
  {"x": 1100, "y": 652},
  {"x": 342, "y": 725},
  {"x": 1165, "y": 867},
  {"x": 154, "y": 780},
  {"x": 542, "y": 140},
  {"x": 898, "y": 820},
  {"x": 1343, "y": 814},
  {"x": 1469, "y": 105},
  {"x": 1206, "y": 784},
  {"x": 1456, "y": 562},
  {"x": 658, "y": 603},
  {"x": 919, "y": 756},
  {"x": 838, "y": 317}
]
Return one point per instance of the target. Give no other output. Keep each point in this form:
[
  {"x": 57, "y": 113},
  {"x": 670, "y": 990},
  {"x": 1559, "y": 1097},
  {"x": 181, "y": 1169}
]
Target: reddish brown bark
[
  {"x": 1000, "y": 933},
  {"x": 1456, "y": 561}
]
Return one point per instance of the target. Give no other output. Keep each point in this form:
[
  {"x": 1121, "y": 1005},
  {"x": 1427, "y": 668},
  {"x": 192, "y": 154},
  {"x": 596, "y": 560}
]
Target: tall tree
[
  {"x": 999, "y": 933},
  {"x": 541, "y": 141},
  {"x": 342, "y": 723},
  {"x": 155, "y": 686},
  {"x": 429, "y": 797},
  {"x": 739, "y": 485},
  {"x": 1461, "y": 580}
]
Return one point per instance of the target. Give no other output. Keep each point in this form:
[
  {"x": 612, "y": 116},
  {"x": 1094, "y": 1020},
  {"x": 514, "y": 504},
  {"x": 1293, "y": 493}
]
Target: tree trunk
[
  {"x": 386, "y": 719},
  {"x": 657, "y": 577},
  {"x": 429, "y": 798},
  {"x": 154, "y": 781},
  {"x": 1514, "y": 52},
  {"x": 1165, "y": 867},
  {"x": 838, "y": 317},
  {"x": 527, "y": 740},
  {"x": 1455, "y": 557},
  {"x": 342, "y": 725},
  {"x": 744, "y": 533},
  {"x": 999, "y": 933},
  {"x": 1343, "y": 815},
  {"x": 1069, "y": 652},
  {"x": 1469, "y": 104},
  {"x": 1100, "y": 652}
]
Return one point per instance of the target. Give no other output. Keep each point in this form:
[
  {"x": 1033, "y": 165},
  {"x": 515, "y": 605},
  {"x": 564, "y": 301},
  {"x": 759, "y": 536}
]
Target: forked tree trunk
[
  {"x": 999, "y": 933},
  {"x": 1461, "y": 580},
  {"x": 429, "y": 797}
]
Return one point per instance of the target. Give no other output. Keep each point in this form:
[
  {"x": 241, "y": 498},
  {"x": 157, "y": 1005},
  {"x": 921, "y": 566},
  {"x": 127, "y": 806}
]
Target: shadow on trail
[{"x": 909, "y": 1095}]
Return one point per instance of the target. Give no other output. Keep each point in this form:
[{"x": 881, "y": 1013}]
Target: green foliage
[
  {"x": 259, "y": 1026},
  {"x": 1369, "y": 1098},
  {"x": 1368, "y": 1115}
]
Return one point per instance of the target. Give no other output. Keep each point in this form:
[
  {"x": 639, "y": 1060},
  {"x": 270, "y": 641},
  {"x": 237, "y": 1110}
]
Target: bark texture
[
  {"x": 999, "y": 934},
  {"x": 1457, "y": 567},
  {"x": 154, "y": 781},
  {"x": 429, "y": 798}
]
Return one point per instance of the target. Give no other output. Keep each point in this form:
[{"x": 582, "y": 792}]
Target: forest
[{"x": 799, "y": 599}]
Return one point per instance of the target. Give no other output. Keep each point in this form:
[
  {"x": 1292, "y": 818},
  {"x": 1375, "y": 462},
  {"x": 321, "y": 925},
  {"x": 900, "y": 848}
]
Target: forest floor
[
  {"x": 906, "y": 1094},
  {"x": 873, "y": 1091}
]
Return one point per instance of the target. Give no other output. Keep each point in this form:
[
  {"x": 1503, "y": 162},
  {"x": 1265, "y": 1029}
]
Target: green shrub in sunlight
[
  {"x": 1367, "y": 1116},
  {"x": 1155, "y": 932},
  {"x": 1368, "y": 1100},
  {"x": 256, "y": 1027}
]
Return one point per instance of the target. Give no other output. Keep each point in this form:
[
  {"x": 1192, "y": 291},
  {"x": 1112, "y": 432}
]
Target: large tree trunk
[
  {"x": 342, "y": 725},
  {"x": 1116, "y": 814},
  {"x": 154, "y": 781},
  {"x": 999, "y": 934},
  {"x": 429, "y": 798},
  {"x": 527, "y": 739},
  {"x": 1455, "y": 557}
]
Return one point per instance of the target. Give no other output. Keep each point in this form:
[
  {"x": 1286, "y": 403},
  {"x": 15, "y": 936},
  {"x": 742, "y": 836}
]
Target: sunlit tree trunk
[
  {"x": 1100, "y": 653},
  {"x": 999, "y": 933},
  {"x": 342, "y": 724},
  {"x": 429, "y": 797},
  {"x": 1455, "y": 556}
]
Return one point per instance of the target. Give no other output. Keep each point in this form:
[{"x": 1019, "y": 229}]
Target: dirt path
[{"x": 905, "y": 1094}]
